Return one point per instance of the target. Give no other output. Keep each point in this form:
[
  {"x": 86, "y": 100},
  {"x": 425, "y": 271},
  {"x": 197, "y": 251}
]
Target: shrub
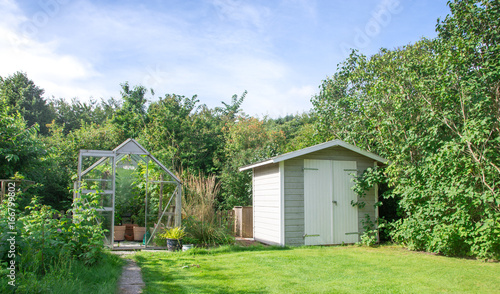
[
  {"x": 207, "y": 233},
  {"x": 44, "y": 237},
  {"x": 174, "y": 233},
  {"x": 200, "y": 220}
]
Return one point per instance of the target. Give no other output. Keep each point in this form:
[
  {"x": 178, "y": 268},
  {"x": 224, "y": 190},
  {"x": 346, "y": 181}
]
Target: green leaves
[{"x": 433, "y": 109}]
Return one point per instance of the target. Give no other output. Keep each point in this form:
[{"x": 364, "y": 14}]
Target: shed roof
[{"x": 315, "y": 148}]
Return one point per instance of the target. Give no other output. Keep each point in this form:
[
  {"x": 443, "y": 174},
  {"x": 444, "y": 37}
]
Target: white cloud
[
  {"x": 56, "y": 73},
  {"x": 242, "y": 12},
  {"x": 88, "y": 49}
]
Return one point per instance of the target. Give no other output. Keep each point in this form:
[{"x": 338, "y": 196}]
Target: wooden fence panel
[{"x": 243, "y": 221}]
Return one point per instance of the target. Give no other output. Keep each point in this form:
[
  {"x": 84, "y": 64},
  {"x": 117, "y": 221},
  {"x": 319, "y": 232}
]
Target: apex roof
[{"x": 315, "y": 148}]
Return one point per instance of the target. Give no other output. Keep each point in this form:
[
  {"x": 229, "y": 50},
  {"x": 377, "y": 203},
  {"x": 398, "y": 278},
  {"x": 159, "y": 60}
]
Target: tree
[
  {"x": 73, "y": 115},
  {"x": 131, "y": 117},
  {"x": 247, "y": 140},
  {"x": 61, "y": 161},
  {"x": 20, "y": 148},
  {"x": 20, "y": 94},
  {"x": 431, "y": 108}
]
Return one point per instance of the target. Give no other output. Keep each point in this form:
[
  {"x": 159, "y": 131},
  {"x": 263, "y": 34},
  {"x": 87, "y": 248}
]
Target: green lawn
[
  {"x": 349, "y": 269},
  {"x": 70, "y": 276}
]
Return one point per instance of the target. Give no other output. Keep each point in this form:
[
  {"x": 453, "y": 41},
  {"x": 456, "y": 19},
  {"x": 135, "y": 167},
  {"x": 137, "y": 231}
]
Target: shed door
[
  {"x": 318, "y": 191},
  {"x": 345, "y": 216},
  {"x": 329, "y": 216}
]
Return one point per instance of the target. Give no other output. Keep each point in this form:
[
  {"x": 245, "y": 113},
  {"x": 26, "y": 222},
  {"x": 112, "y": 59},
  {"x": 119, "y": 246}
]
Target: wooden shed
[{"x": 304, "y": 197}]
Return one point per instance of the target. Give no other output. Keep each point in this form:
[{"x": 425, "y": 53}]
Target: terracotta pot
[
  {"x": 119, "y": 232},
  {"x": 139, "y": 233}
]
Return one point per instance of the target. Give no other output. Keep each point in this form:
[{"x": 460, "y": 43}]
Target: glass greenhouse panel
[
  {"x": 138, "y": 193},
  {"x": 106, "y": 220},
  {"x": 97, "y": 173}
]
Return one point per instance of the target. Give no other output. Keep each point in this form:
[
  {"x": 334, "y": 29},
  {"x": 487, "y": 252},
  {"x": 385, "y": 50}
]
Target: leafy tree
[
  {"x": 73, "y": 115},
  {"x": 247, "y": 140},
  {"x": 230, "y": 111},
  {"x": 20, "y": 94},
  {"x": 131, "y": 117},
  {"x": 61, "y": 161},
  {"x": 176, "y": 133},
  {"x": 20, "y": 148},
  {"x": 297, "y": 129},
  {"x": 432, "y": 108}
]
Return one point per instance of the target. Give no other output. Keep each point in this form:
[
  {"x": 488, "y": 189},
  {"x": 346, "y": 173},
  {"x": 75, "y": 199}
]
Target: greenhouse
[{"x": 139, "y": 196}]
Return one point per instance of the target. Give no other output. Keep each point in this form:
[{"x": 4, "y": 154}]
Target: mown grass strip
[{"x": 350, "y": 269}]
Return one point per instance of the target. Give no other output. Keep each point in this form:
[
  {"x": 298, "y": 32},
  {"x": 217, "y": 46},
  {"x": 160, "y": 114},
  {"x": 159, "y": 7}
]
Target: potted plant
[
  {"x": 174, "y": 238},
  {"x": 139, "y": 228},
  {"x": 119, "y": 232},
  {"x": 139, "y": 233}
]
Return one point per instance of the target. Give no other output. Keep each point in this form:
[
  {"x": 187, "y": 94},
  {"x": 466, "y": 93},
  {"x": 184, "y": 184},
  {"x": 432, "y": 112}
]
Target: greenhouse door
[
  {"x": 329, "y": 216},
  {"x": 96, "y": 170}
]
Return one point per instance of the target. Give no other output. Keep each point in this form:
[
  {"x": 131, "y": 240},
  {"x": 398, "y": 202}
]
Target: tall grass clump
[{"x": 203, "y": 226}]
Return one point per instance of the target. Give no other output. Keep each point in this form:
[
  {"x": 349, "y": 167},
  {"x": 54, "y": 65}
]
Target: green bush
[
  {"x": 206, "y": 233},
  {"x": 49, "y": 245},
  {"x": 174, "y": 233},
  {"x": 44, "y": 238}
]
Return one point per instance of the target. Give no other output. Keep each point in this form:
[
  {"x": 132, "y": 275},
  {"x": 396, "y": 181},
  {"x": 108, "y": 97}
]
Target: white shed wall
[{"x": 267, "y": 204}]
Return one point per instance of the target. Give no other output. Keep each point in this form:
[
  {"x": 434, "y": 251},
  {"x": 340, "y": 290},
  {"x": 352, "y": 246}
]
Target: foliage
[
  {"x": 202, "y": 225},
  {"x": 72, "y": 116},
  {"x": 61, "y": 161},
  {"x": 45, "y": 235},
  {"x": 20, "y": 95},
  {"x": 199, "y": 196},
  {"x": 69, "y": 276},
  {"x": 49, "y": 237},
  {"x": 20, "y": 148},
  {"x": 333, "y": 269},
  {"x": 432, "y": 109},
  {"x": 247, "y": 140},
  {"x": 186, "y": 135},
  {"x": 131, "y": 117},
  {"x": 297, "y": 129},
  {"x": 49, "y": 244},
  {"x": 176, "y": 233},
  {"x": 207, "y": 233},
  {"x": 370, "y": 178},
  {"x": 370, "y": 232}
]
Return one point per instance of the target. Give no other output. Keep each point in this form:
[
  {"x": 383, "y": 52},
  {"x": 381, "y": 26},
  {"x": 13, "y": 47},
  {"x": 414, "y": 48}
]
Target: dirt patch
[{"x": 246, "y": 242}]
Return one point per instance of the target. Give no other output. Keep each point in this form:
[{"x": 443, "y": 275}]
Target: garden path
[{"x": 131, "y": 279}]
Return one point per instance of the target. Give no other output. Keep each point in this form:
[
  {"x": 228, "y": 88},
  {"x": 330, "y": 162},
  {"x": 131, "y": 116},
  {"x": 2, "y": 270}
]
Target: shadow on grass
[
  {"x": 178, "y": 272},
  {"x": 181, "y": 275},
  {"x": 233, "y": 249}
]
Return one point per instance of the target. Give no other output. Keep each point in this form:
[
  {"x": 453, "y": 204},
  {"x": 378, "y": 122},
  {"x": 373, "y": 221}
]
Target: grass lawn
[
  {"x": 347, "y": 269},
  {"x": 71, "y": 276}
]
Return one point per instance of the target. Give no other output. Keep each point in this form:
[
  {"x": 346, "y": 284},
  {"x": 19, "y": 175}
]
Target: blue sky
[{"x": 279, "y": 51}]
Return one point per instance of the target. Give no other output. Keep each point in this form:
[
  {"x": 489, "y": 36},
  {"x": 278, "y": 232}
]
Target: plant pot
[
  {"x": 174, "y": 244},
  {"x": 139, "y": 233},
  {"x": 119, "y": 233},
  {"x": 187, "y": 247},
  {"x": 129, "y": 231}
]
